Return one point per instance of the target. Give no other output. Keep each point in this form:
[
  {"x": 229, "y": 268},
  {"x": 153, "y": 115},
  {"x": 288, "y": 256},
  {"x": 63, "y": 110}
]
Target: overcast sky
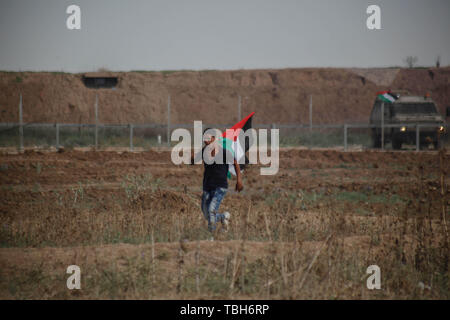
[{"x": 229, "y": 34}]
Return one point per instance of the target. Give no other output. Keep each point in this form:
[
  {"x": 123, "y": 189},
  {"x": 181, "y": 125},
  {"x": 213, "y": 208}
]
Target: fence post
[
  {"x": 57, "y": 135},
  {"x": 168, "y": 121},
  {"x": 96, "y": 121},
  {"x": 417, "y": 138},
  {"x": 131, "y": 137},
  {"x": 345, "y": 137},
  {"x": 20, "y": 125},
  {"x": 310, "y": 112},
  {"x": 382, "y": 126},
  {"x": 239, "y": 108}
]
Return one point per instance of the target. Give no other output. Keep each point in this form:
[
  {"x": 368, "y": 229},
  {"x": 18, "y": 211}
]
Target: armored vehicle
[{"x": 406, "y": 111}]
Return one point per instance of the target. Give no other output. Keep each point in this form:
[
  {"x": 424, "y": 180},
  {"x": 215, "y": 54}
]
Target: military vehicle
[{"x": 407, "y": 110}]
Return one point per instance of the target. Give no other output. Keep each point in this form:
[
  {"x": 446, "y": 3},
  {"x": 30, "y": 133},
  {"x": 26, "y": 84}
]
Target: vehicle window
[{"x": 415, "y": 108}]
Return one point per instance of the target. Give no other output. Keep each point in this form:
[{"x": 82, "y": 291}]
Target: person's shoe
[
  {"x": 226, "y": 221},
  {"x": 211, "y": 239}
]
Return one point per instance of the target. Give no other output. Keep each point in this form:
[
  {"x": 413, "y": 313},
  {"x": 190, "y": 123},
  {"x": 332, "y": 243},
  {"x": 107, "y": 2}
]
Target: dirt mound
[
  {"x": 381, "y": 77},
  {"x": 278, "y": 96}
]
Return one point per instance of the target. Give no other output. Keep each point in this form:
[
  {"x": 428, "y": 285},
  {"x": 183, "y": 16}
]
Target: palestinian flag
[
  {"x": 238, "y": 148},
  {"x": 386, "y": 96}
]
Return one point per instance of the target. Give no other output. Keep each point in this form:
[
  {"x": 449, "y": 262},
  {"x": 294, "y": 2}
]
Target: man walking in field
[{"x": 215, "y": 184}]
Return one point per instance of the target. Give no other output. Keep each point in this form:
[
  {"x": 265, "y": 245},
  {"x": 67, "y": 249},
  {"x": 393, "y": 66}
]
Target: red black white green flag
[
  {"x": 232, "y": 143},
  {"x": 386, "y": 96}
]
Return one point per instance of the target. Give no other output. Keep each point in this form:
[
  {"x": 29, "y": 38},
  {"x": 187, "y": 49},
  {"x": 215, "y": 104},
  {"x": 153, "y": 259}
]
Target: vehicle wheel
[
  {"x": 376, "y": 141},
  {"x": 396, "y": 144}
]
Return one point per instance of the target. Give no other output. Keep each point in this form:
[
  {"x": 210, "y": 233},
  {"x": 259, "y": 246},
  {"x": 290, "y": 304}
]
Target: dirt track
[{"x": 299, "y": 170}]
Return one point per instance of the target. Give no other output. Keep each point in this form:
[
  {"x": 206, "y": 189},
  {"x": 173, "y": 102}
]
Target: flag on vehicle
[{"x": 386, "y": 96}]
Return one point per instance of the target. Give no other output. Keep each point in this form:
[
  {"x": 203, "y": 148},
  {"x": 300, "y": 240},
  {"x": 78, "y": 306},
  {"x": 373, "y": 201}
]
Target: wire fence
[
  {"x": 349, "y": 136},
  {"x": 415, "y": 136}
]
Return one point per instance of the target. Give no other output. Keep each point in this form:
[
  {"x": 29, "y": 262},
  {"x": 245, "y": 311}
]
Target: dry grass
[{"x": 149, "y": 242}]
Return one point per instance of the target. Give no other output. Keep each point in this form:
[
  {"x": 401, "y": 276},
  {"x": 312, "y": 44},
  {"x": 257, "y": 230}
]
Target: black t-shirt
[{"x": 215, "y": 175}]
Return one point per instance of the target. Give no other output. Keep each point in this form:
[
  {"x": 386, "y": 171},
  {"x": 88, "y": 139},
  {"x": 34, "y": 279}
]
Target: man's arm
[{"x": 239, "y": 185}]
